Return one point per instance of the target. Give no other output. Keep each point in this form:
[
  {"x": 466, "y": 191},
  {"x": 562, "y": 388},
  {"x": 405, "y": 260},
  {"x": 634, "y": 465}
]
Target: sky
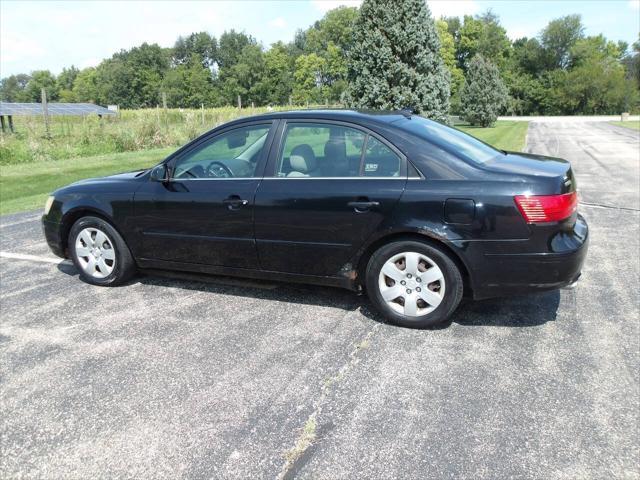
[{"x": 53, "y": 34}]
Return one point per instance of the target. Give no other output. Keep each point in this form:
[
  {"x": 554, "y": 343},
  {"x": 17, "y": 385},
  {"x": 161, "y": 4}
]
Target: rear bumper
[
  {"x": 517, "y": 273},
  {"x": 51, "y": 232}
]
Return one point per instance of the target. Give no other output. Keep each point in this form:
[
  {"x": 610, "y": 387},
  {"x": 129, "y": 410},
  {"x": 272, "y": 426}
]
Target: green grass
[
  {"x": 130, "y": 130},
  {"x": 632, "y": 124},
  {"x": 26, "y": 186},
  {"x": 505, "y": 134}
]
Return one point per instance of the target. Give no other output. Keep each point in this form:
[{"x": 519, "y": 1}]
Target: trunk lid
[{"x": 552, "y": 172}]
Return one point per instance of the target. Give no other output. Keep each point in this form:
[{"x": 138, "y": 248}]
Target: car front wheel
[
  {"x": 99, "y": 252},
  {"x": 414, "y": 284}
]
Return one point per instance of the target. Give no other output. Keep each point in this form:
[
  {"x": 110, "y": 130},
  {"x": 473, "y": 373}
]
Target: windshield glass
[{"x": 451, "y": 139}]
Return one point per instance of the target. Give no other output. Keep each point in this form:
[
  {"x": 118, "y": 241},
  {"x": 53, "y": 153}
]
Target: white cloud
[
  {"x": 635, "y": 4},
  {"x": 278, "y": 22},
  {"x": 18, "y": 46},
  {"x": 452, "y": 8},
  {"x": 326, "y": 5}
]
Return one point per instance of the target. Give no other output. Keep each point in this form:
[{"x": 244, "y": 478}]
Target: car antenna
[{"x": 407, "y": 112}]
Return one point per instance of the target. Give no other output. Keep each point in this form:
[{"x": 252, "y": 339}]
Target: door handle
[
  {"x": 363, "y": 205},
  {"x": 234, "y": 202}
]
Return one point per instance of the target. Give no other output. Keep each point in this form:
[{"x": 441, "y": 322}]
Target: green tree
[
  {"x": 188, "y": 85},
  {"x": 230, "y": 47},
  {"x": 334, "y": 75},
  {"x": 484, "y": 94},
  {"x": 559, "y": 37},
  {"x": 528, "y": 56},
  {"x": 335, "y": 27},
  {"x": 453, "y": 26},
  {"x": 632, "y": 63},
  {"x": 482, "y": 35},
  {"x": 85, "y": 86},
  {"x": 201, "y": 44},
  {"x": 597, "y": 82},
  {"x": 395, "y": 59},
  {"x": 448, "y": 54},
  {"x": 13, "y": 88},
  {"x": 596, "y": 47},
  {"x": 65, "y": 84},
  {"x": 244, "y": 77},
  {"x": 329, "y": 38},
  {"x": 133, "y": 78},
  {"x": 308, "y": 87},
  {"x": 277, "y": 80},
  {"x": 41, "y": 79}
]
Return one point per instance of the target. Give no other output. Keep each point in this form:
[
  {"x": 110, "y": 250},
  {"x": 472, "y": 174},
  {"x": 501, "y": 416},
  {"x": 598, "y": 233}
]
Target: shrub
[{"x": 484, "y": 94}]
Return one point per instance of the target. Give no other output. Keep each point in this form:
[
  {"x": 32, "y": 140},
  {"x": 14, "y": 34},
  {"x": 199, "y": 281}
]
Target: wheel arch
[
  {"x": 414, "y": 236},
  {"x": 72, "y": 216}
]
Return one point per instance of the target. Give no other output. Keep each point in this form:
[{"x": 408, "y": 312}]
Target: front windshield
[{"x": 451, "y": 139}]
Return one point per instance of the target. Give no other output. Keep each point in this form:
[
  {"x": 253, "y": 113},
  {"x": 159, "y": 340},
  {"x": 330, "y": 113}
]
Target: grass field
[
  {"x": 505, "y": 135},
  {"x": 25, "y": 185},
  {"x": 632, "y": 124}
]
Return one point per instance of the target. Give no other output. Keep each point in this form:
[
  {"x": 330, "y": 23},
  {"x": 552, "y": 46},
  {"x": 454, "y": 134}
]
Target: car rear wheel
[
  {"x": 414, "y": 284},
  {"x": 100, "y": 253}
]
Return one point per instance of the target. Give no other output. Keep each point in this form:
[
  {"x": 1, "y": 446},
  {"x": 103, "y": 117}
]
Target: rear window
[{"x": 450, "y": 139}]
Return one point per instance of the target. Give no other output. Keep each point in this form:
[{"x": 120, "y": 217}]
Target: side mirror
[{"x": 160, "y": 173}]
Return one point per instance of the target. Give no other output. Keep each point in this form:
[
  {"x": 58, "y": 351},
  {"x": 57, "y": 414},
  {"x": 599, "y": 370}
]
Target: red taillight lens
[{"x": 547, "y": 208}]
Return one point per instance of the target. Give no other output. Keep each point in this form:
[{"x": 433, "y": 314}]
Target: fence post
[
  {"x": 239, "y": 102},
  {"x": 45, "y": 112},
  {"x": 202, "y": 112}
]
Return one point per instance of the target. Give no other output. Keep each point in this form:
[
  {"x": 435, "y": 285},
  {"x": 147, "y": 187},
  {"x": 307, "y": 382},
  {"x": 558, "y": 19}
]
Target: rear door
[{"x": 327, "y": 187}]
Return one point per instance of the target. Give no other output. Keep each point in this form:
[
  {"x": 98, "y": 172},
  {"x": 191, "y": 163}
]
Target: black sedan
[{"x": 411, "y": 211}]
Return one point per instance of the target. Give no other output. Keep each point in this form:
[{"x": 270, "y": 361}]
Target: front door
[
  {"x": 204, "y": 213},
  {"x": 328, "y": 187}
]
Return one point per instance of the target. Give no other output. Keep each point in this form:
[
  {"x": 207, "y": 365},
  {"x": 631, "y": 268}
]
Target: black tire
[
  {"x": 452, "y": 282},
  {"x": 124, "y": 266}
]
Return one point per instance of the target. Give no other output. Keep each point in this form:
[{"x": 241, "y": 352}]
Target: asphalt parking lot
[{"x": 182, "y": 378}]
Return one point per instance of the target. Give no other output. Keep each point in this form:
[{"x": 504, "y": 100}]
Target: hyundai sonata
[{"x": 411, "y": 211}]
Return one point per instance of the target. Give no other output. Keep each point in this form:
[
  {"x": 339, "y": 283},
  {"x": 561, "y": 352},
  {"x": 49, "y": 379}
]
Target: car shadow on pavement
[{"x": 518, "y": 311}]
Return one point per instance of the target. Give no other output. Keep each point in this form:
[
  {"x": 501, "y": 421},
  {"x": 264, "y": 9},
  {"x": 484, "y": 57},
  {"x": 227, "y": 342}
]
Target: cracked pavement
[{"x": 185, "y": 378}]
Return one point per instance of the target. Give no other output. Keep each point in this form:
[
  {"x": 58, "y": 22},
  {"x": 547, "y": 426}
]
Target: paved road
[{"x": 170, "y": 378}]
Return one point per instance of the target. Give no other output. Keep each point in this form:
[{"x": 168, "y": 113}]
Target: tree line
[{"x": 347, "y": 57}]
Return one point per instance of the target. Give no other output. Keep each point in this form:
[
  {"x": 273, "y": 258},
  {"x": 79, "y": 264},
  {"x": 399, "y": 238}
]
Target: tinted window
[
  {"x": 380, "y": 160},
  {"x": 320, "y": 150},
  {"x": 233, "y": 154},
  {"x": 450, "y": 139}
]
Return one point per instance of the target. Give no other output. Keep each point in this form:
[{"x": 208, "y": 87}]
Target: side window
[
  {"x": 380, "y": 160},
  {"x": 320, "y": 150},
  {"x": 233, "y": 154}
]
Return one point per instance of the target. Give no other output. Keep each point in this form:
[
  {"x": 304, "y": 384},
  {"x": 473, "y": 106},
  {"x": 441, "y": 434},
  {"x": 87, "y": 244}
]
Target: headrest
[
  {"x": 335, "y": 150},
  {"x": 302, "y": 159}
]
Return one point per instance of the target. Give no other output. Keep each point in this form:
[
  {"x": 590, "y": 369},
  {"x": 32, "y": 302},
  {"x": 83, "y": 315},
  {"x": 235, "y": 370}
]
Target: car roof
[{"x": 356, "y": 116}]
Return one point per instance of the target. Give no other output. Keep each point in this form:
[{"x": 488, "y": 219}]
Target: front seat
[{"x": 303, "y": 161}]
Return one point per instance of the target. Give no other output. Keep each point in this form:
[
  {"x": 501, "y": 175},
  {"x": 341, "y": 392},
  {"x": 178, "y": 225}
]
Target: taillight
[{"x": 547, "y": 208}]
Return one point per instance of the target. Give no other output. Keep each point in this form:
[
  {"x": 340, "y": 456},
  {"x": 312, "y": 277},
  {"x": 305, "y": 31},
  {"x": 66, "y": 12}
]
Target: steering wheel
[{"x": 218, "y": 170}]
